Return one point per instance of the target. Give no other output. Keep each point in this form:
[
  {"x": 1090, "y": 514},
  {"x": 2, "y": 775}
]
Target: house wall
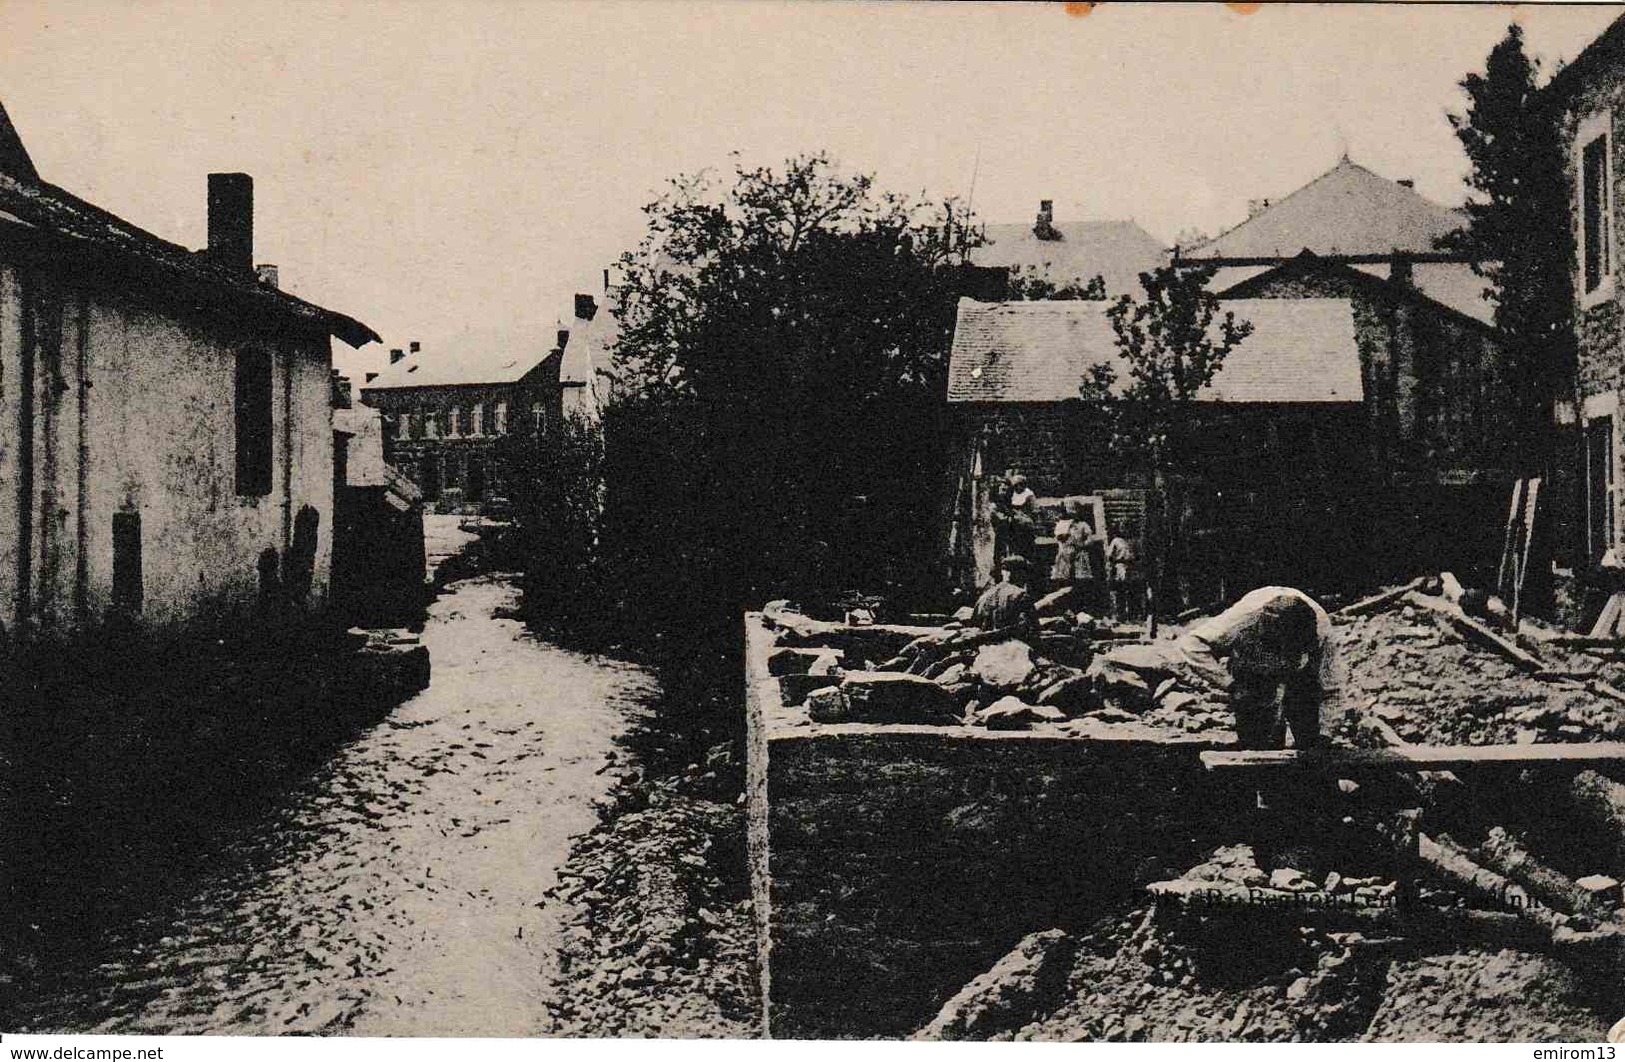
[
  {"x": 1600, "y": 342},
  {"x": 108, "y": 405},
  {"x": 435, "y": 461},
  {"x": 1437, "y": 399}
]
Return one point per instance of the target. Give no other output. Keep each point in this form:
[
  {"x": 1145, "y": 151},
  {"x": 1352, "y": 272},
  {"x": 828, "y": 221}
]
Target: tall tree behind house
[{"x": 1518, "y": 235}]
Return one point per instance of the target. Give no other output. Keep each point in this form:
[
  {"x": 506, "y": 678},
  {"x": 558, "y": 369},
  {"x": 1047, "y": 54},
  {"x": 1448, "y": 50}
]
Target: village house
[
  {"x": 1281, "y": 431},
  {"x": 168, "y": 447},
  {"x": 445, "y": 415},
  {"x": 1589, "y": 96},
  {"x": 1436, "y": 384},
  {"x": 1427, "y": 420}
]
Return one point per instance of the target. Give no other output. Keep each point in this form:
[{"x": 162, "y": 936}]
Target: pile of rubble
[
  {"x": 1414, "y": 670},
  {"x": 660, "y": 941},
  {"x": 953, "y": 674}
]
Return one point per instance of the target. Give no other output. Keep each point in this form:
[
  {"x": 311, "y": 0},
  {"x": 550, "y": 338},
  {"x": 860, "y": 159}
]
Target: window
[
  {"x": 127, "y": 563},
  {"x": 482, "y": 418},
  {"x": 538, "y": 417},
  {"x": 454, "y": 424},
  {"x": 442, "y": 423},
  {"x": 465, "y": 421},
  {"x": 1596, "y": 205},
  {"x": 415, "y": 423},
  {"x": 253, "y": 422},
  {"x": 1599, "y": 438},
  {"x": 502, "y": 418}
]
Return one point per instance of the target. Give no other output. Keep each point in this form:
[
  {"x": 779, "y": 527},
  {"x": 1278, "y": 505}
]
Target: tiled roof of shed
[{"x": 1301, "y": 350}]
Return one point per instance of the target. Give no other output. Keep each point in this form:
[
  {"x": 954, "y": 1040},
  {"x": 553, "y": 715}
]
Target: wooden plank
[
  {"x": 1508, "y": 540},
  {"x": 1417, "y": 757},
  {"x": 1608, "y": 619},
  {"x": 1378, "y": 602},
  {"x": 1477, "y": 633},
  {"x": 1532, "y": 499}
]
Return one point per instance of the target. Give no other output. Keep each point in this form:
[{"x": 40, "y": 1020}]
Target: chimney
[
  {"x": 1399, "y": 269},
  {"x": 585, "y": 307},
  {"x": 341, "y": 390},
  {"x": 414, "y": 346},
  {"x": 395, "y": 355},
  {"x": 231, "y": 220},
  {"x": 1256, "y": 207},
  {"x": 1407, "y": 182},
  {"x": 564, "y": 337},
  {"x": 1045, "y": 228},
  {"x": 267, "y": 275},
  {"x": 606, "y": 282}
]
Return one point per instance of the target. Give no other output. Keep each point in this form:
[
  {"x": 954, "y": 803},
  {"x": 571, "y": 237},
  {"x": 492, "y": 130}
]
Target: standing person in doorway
[{"x": 1022, "y": 534}]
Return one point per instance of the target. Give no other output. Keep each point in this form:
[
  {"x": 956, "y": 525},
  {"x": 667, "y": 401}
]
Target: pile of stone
[
  {"x": 1415, "y": 672},
  {"x": 957, "y": 675}
]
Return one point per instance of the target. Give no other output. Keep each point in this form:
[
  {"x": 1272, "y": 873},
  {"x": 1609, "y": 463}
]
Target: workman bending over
[{"x": 1273, "y": 652}]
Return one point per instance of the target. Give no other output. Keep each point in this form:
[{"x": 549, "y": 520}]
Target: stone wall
[{"x": 891, "y": 864}]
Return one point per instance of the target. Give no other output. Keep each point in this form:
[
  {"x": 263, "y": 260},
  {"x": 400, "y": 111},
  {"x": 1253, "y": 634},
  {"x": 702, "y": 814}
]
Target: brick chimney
[
  {"x": 564, "y": 337},
  {"x": 231, "y": 221},
  {"x": 396, "y": 354},
  {"x": 586, "y": 307},
  {"x": 414, "y": 347},
  {"x": 1045, "y": 228}
]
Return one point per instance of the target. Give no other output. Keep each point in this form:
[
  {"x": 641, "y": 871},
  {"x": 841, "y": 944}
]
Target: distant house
[
  {"x": 1436, "y": 381},
  {"x": 1072, "y": 252},
  {"x": 445, "y": 415},
  {"x": 1283, "y": 430},
  {"x": 1587, "y": 96},
  {"x": 166, "y": 431}
]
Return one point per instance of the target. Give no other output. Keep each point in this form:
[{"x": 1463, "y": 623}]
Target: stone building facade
[
  {"x": 1589, "y": 98},
  {"x": 166, "y": 431},
  {"x": 446, "y": 414}
]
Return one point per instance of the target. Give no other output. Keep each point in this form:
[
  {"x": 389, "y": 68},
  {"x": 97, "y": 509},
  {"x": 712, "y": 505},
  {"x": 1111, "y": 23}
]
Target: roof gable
[
  {"x": 1301, "y": 351},
  {"x": 14, "y": 159},
  {"x": 470, "y": 368},
  {"x": 1346, "y": 211}
]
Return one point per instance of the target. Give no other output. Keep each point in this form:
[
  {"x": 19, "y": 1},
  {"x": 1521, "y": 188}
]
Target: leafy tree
[
  {"x": 776, "y": 426},
  {"x": 1171, "y": 342},
  {"x": 1518, "y": 232},
  {"x": 1031, "y": 286}
]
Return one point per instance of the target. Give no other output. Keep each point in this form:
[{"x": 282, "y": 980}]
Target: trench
[{"x": 379, "y": 878}]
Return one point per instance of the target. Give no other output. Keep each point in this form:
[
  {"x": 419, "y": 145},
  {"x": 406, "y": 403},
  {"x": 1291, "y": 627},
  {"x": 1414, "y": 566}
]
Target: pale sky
[{"x": 453, "y": 171}]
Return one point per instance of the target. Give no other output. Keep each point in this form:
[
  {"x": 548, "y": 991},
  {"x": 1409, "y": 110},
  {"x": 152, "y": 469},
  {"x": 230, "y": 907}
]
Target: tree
[
  {"x": 1030, "y": 286},
  {"x": 1171, "y": 341},
  {"x": 784, "y": 338},
  {"x": 1518, "y": 231}
]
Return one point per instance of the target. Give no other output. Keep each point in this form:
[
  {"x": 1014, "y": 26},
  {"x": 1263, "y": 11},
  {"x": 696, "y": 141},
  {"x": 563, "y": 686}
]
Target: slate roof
[
  {"x": 497, "y": 364},
  {"x": 1119, "y": 251},
  {"x": 68, "y": 229},
  {"x": 1301, "y": 350},
  {"x": 1347, "y": 210}
]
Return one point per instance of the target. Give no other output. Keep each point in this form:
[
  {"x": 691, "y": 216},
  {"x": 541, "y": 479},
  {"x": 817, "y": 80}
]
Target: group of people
[
  {"x": 1100, "y": 569},
  {"x": 1269, "y": 655}
]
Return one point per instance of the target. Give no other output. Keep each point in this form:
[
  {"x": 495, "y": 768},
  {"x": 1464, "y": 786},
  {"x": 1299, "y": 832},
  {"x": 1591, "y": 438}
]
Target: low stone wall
[{"x": 892, "y": 863}]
